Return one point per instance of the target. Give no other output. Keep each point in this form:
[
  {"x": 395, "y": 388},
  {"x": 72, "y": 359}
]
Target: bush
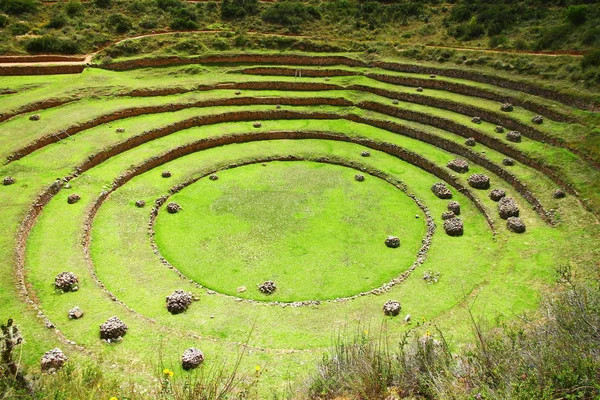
[
  {"x": 577, "y": 15},
  {"x": 238, "y": 8},
  {"x": 119, "y": 23},
  {"x": 167, "y": 5},
  {"x": 17, "y": 7},
  {"x": 103, "y": 3},
  {"x": 73, "y": 8},
  {"x": 3, "y": 20},
  {"x": 57, "y": 21},
  {"x": 183, "y": 24},
  {"x": 52, "y": 44},
  {"x": 591, "y": 60},
  {"x": 19, "y": 28},
  {"x": 290, "y": 14},
  {"x": 148, "y": 23}
]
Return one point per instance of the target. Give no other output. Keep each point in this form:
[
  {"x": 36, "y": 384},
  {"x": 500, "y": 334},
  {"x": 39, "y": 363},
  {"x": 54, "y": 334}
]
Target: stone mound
[
  {"x": 395, "y": 102},
  {"x": 392, "y": 242},
  {"x": 447, "y": 215},
  {"x": 257, "y": 124},
  {"x": 454, "y": 206},
  {"x": 499, "y": 129},
  {"x": 391, "y": 308},
  {"x": 515, "y": 224},
  {"x": 120, "y": 130},
  {"x": 74, "y": 198},
  {"x": 508, "y": 208},
  {"x": 213, "y": 177},
  {"x": 179, "y": 301},
  {"x": 458, "y": 165},
  {"x": 173, "y": 208},
  {"x": 140, "y": 203},
  {"x": 476, "y": 120},
  {"x": 479, "y": 181},
  {"x": 441, "y": 190},
  {"x": 513, "y": 136},
  {"x": 237, "y": 92},
  {"x": 66, "y": 281},
  {"x": 53, "y": 360},
  {"x": 365, "y": 154},
  {"x": 267, "y": 287},
  {"x": 113, "y": 329},
  {"x": 506, "y": 107},
  {"x": 191, "y": 358},
  {"x": 9, "y": 180},
  {"x": 470, "y": 142},
  {"x": 497, "y": 194},
  {"x": 35, "y": 117},
  {"x": 559, "y": 194},
  {"x": 509, "y": 162},
  {"x": 419, "y": 89},
  {"x": 538, "y": 119},
  {"x": 166, "y": 174},
  {"x": 359, "y": 177},
  {"x": 453, "y": 227},
  {"x": 75, "y": 313}
]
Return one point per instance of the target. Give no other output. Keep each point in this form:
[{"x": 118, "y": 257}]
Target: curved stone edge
[{"x": 421, "y": 255}]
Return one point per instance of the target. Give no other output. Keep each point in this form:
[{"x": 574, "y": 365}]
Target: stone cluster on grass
[
  {"x": 213, "y": 177},
  {"x": 509, "y": 162},
  {"x": 470, "y": 142},
  {"x": 395, "y": 102},
  {"x": 441, "y": 190},
  {"x": 513, "y": 136},
  {"x": 166, "y": 174},
  {"x": 506, "y": 107},
  {"x": 267, "y": 287},
  {"x": 74, "y": 198},
  {"x": 538, "y": 119},
  {"x": 453, "y": 227},
  {"x": 191, "y": 358},
  {"x": 120, "y": 130},
  {"x": 173, "y": 208},
  {"x": 140, "y": 203},
  {"x": 66, "y": 281},
  {"x": 515, "y": 224},
  {"x": 392, "y": 308},
  {"x": 559, "y": 194},
  {"x": 454, "y": 206},
  {"x": 35, "y": 117},
  {"x": 178, "y": 301},
  {"x": 365, "y": 154},
  {"x": 392, "y": 242},
  {"x": 75, "y": 313},
  {"x": 113, "y": 329},
  {"x": 458, "y": 165},
  {"x": 479, "y": 181},
  {"x": 497, "y": 194},
  {"x": 9, "y": 180},
  {"x": 507, "y": 207},
  {"x": 419, "y": 89},
  {"x": 499, "y": 129},
  {"x": 447, "y": 215},
  {"x": 476, "y": 120},
  {"x": 53, "y": 360},
  {"x": 257, "y": 124},
  {"x": 359, "y": 177}
]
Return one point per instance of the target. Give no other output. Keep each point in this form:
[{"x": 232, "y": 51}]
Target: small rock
[
  {"x": 454, "y": 206},
  {"x": 497, "y": 194},
  {"x": 213, "y": 177},
  {"x": 391, "y": 308},
  {"x": 365, "y": 154},
  {"x": 66, "y": 281},
  {"x": 191, "y": 358},
  {"x": 514, "y": 136},
  {"x": 267, "y": 287},
  {"x": 515, "y": 224},
  {"x": 359, "y": 177},
  {"x": 419, "y": 89},
  {"x": 237, "y": 93},
  {"x": 506, "y": 107},
  {"x": 470, "y": 142},
  {"x": 499, "y": 129},
  {"x": 75, "y": 313},
  {"x": 257, "y": 124},
  {"x": 140, "y": 204},
  {"x": 538, "y": 119},
  {"x": 74, "y": 198},
  {"x": 120, "y": 130},
  {"x": 392, "y": 242},
  {"x": 53, "y": 360},
  {"x": 166, "y": 174},
  {"x": 395, "y": 102},
  {"x": 35, "y": 117},
  {"x": 479, "y": 181},
  {"x": 241, "y": 289},
  {"x": 173, "y": 208},
  {"x": 559, "y": 194},
  {"x": 9, "y": 180}
]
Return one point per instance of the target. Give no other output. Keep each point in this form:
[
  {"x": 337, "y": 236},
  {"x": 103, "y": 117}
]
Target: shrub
[
  {"x": 577, "y": 15},
  {"x": 119, "y": 23},
  {"x": 148, "y": 23},
  {"x": 19, "y": 28},
  {"x": 103, "y": 3},
  {"x": 238, "y": 8},
  {"x": 591, "y": 60},
  {"x": 17, "y": 7},
  {"x": 183, "y": 24},
  {"x": 290, "y": 13},
  {"x": 3, "y": 20},
  {"x": 57, "y": 21},
  {"x": 73, "y": 8},
  {"x": 52, "y": 44},
  {"x": 167, "y": 5}
]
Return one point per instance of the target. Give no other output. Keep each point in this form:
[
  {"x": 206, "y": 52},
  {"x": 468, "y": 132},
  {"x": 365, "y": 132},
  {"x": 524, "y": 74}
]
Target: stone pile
[
  {"x": 66, "y": 281},
  {"x": 441, "y": 190},
  {"x": 515, "y": 224},
  {"x": 140, "y": 203},
  {"x": 454, "y": 206},
  {"x": 166, "y": 174},
  {"x": 447, "y": 215},
  {"x": 113, "y": 329},
  {"x": 359, "y": 177},
  {"x": 213, "y": 177},
  {"x": 458, "y": 165},
  {"x": 35, "y": 117},
  {"x": 506, "y": 107},
  {"x": 559, "y": 194},
  {"x": 479, "y": 181},
  {"x": 191, "y": 358},
  {"x": 476, "y": 120},
  {"x": 453, "y": 227},
  {"x": 470, "y": 142},
  {"x": 257, "y": 124},
  {"x": 9, "y": 180},
  {"x": 75, "y": 313},
  {"x": 267, "y": 287},
  {"x": 74, "y": 198},
  {"x": 391, "y": 308},
  {"x": 509, "y": 162},
  {"x": 179, "y": 301},
  {"x": 513, "y": 136},
  {"x": 538, "y": 119},
  {"x": 392, "y": 242},
  {"x": 53, "y": 360},
  {"x": 507, "y": 208},
  {"x": 365, "y": 154},
  {"x": 497, "y": 194},
  {"x": 499, "y": 129},
  {"x": 173, "y": 208}
]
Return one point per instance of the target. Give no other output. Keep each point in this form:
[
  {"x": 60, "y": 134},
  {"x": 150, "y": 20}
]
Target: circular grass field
[{"x": 300, "y": 220}]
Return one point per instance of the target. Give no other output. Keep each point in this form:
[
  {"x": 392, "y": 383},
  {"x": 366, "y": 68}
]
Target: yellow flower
[
  {"x": 366, "y": 332},
  {"x": 428, "y": 333},
  {"x": 257, "y": 368},
  {"x": 423, "y": 319},
  {"x": 168, "y": 372},
  {"x": 113, "y": 398}
]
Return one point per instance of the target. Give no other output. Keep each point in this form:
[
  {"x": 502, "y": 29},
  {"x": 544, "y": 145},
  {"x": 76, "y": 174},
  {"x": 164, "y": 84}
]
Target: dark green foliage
[
  {"x": 184, "y": 18},
  {"x": 591, "y": 60},
  {"x": 19, "y": 28},
  {"x": 73, "y": 8},
  {"x": 577, "y": 15},
  {"x": 290, "y": 13},
  {"x": 57, "y": 21},
  {"x": 167, "y": 5},
  {"x": 148, "y": 23},
  {"x": 52, "y": 44},
  {"x": 119, "y": 23},
  {"x": 103, "y": 3},
  {"x": 182, "y": 24},
  {"x": 552, "y": 37},
  {"x": 3, "y": 20},
  {"x": 238, "y": 8},
  {"x": 17, "y": 7}
]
